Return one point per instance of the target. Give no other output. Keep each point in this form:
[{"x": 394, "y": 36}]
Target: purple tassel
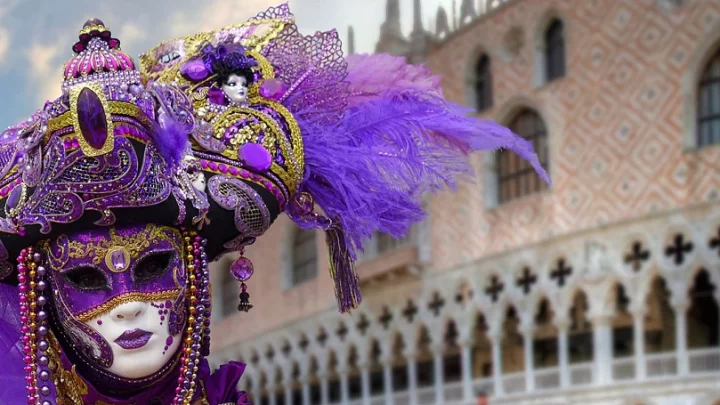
[
  {"x": 342, "y": 270},
  {"x": 342, "y": 260}
]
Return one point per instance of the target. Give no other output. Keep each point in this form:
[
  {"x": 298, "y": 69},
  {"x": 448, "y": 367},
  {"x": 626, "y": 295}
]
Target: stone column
[
  {"x": 638, "y": 315},
  {"x": 496, "y": 340},
  {"x": 288, "y": 393},
  {"x": 528, "y": 333},
  {"x": 681, "y": 307},
  {"x": 306, "y": 391},
  {"x": 365, "y": 382},
  {"x": 272, "y": 394},
  {"x": 438, "y": 351},
  {"x": 324, "y": 392},
  {"x": 411, "y": 357},
  {"x": 466, "y": 346},
  {"x": 563, "y": 325},
  {"x": 344, "y": 387},
  {"x": 388, "y": 381},
  {"x": 603, "y": 350}
]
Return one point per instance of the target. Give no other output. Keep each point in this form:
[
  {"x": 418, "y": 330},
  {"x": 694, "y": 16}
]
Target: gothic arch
[
  {"x": 538, "y": 33},
  {"x": 696, "y": 65},
  {"x": 504, "y": 115}
]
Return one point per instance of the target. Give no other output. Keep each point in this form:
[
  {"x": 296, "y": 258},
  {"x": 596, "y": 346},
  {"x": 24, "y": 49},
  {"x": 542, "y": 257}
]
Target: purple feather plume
[
  {"x": 371, "y": 170},
  {"x": 172, "y": 139},
  {"x": 395, "y": 139}
]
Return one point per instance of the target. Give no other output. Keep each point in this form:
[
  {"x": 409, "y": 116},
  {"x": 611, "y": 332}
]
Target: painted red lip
[{"x": 133, "y": 339}]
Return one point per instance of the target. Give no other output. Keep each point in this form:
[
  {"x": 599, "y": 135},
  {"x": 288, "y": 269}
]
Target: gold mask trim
[
  {"x": 125, "y": 298},
  {"x": 134, "y": 244}
]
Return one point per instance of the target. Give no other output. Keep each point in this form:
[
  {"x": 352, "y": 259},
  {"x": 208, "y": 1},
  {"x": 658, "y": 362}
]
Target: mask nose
[{"x": 128, "y": 311}]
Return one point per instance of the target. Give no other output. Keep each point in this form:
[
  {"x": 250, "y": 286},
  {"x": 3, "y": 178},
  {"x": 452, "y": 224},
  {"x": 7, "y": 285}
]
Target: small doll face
[
  {"x": 236, "y": 89},
  {"x": 120, "y": 296}
]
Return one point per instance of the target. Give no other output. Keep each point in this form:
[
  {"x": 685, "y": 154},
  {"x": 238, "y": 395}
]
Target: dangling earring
[{"x": 242, "y": 269}]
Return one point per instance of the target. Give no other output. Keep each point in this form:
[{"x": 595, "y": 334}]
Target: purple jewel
[
  {"x": 195, "y": 70},
  {"x": 14, "y": 197},
  {"x": 216, "y": 96},
  {"x": 91, "y": 115},
  {"x": 273, "y": 89},
  {"x": 118, "y": 260},
  {"x": 242, "y": 269},
  {"x": 255, "y": 157}
]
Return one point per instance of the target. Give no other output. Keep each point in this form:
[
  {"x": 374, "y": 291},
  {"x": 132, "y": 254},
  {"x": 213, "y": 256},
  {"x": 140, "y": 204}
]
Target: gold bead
[
  {"x": 31, "y": 294},
  {"x": 191, "y": 319}
]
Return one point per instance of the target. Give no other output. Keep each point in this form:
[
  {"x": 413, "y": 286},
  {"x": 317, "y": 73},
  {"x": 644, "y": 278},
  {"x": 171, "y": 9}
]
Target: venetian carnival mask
[
  {"x": 120, "y": 295},
  {"x": 236, "y": 89}
]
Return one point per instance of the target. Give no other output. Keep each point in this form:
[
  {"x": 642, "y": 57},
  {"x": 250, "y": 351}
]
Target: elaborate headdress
[{"x": 362, "y": 137}]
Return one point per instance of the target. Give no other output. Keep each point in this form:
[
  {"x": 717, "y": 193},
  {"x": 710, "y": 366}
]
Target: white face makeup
[
  {"x": 139, "y": 337},
  {"x": 236, "y": 89}
]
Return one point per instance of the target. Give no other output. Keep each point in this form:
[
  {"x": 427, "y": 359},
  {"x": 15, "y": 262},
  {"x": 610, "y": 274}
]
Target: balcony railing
[{"x": 547, "y": 380}]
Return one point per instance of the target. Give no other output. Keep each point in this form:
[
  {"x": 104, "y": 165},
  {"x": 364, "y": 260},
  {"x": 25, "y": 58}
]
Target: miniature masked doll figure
[{"x": 116, "y": 196}]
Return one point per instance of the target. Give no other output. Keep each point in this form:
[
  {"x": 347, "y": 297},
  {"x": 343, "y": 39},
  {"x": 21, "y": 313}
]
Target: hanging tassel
[
  {"x": 342, "y": 263},
  {"x": 342, "y": 270},
  {"x": 245, "y": 305}
]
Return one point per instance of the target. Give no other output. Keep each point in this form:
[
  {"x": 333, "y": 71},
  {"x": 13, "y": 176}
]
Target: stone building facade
[{"x": 600, "y": 289}]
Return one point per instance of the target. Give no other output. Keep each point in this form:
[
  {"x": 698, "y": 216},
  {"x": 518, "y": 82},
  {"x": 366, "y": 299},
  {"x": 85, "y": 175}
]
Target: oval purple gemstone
[
  {"x": 242, "y": 269},
  {"x": 91, "y": 115},
  {"x": 255, "y": 157},
  {"x": 14, "y": 198}
]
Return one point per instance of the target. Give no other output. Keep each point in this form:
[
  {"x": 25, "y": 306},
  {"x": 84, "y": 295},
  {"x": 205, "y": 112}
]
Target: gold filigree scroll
[
  {"x": 134, "y": 244},
  {"x": 69, "y": 387}
]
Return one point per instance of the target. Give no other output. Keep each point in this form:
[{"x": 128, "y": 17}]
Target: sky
[{"x": 36, "y": 35}]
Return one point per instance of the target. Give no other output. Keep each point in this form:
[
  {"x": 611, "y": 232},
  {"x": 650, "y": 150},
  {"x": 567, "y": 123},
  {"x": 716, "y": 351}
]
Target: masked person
[{"x": 116, "y": 196}]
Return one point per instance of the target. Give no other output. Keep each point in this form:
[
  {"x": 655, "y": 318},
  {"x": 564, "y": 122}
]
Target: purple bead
[
  {"x": 242, "y": 269},
  {"x": 41, "y": 300},
  {"x": 44, "y": 375},
  {"x": 45, "y": 391},
  {"x": 41, "y": 285},
  {"x": 41, "y": 271},
  {"x": 255, "y": 157},
  {"x": 42, "y": 315},
  {"x": 43, "y": 361},
  {"x": 43, "y": 345},
  {"x": 91, "y": 115},
  {"x": 273, "y": 89},
  {"x": 37, "y": 257},
  {"x": 42, "y": 330}
]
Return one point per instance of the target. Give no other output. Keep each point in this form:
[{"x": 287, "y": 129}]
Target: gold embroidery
[
  {"x": 69, "y": 387},
  {"x": 112, "y": 107},
  {"x": 135, "y": 244},
  {"x": 125, "y": 298},
  {"x": 94, "y": 87}
]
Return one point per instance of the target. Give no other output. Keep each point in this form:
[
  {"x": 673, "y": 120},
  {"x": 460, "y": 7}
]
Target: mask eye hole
[
  {"x": 86, "y": 278},
  {"x": 152, "y": 267}
]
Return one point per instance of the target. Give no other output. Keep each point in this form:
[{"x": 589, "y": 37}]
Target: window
[
  {"x": 483, "y": 84},
  {"x": 708, "y": 111},
  {"x": 516, "y": 177},
  {"x": 304, "y": 257},
  {"x": 554, "y": 51}
]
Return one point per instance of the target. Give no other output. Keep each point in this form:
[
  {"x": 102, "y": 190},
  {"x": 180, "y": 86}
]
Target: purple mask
[{"x": 120, "y": 295}]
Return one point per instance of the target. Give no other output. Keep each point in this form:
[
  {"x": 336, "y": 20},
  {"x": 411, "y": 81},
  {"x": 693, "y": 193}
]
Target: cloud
[
  {"x": 129, "y": 34},
  {"x": 4, "y": 43},
  {"x": 45, "y": 69},
  {"x": 216, "y": 14}
]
